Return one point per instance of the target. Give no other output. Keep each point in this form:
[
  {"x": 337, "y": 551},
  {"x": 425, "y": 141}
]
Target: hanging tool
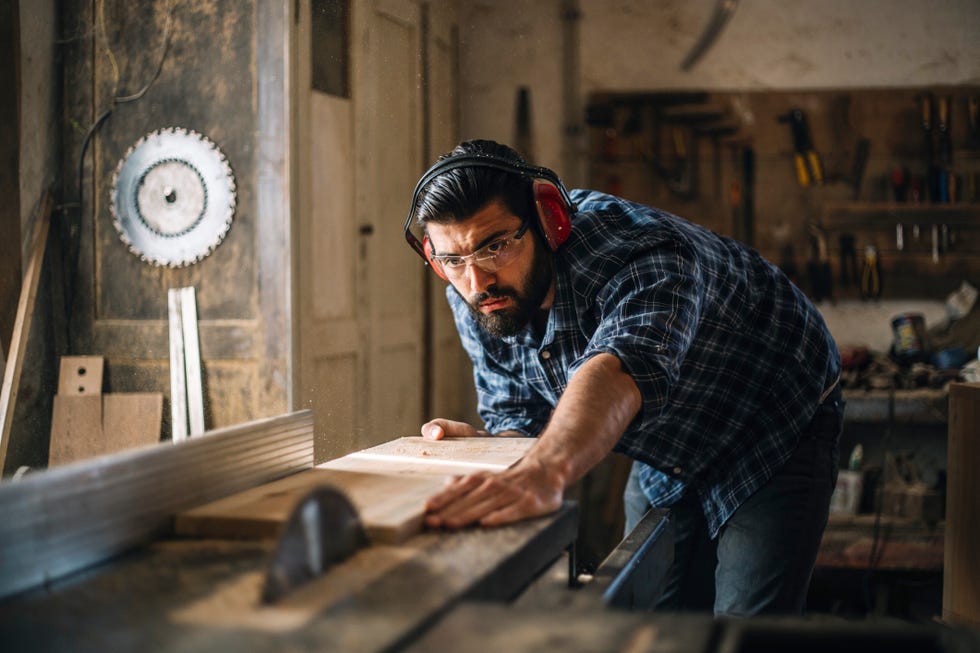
[
  {"x": 818, "y": 268},
  {"x": 809, "y": 169},
  {"x": 972, "y": 128},
  {"x": 848, "y": 260},
  {"x": 932, "y": 169},
  {"x": 871, "y": 274},
  {"x": 719, "y": 18},
  {"x": 322, "y": 530},
  {"x": 861, "y": 152},
  {"x": 685, "y": 126},
  {"x": 715, "y": 133},
  {"x": 945, "y": 150}
]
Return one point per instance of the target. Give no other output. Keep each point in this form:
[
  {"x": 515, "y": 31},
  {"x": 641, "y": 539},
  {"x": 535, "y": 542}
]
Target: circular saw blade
[{"x": 173, "y": 197}]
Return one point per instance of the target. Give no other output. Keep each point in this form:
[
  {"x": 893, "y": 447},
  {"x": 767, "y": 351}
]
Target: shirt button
[
  {"x": 546, "y": 354},
  {"x": 677, "y": 471}
]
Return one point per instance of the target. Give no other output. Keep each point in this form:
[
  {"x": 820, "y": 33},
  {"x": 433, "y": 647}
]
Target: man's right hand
[{"x": 440, "y": 428}]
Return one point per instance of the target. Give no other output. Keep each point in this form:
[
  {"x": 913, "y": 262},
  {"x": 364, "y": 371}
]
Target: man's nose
[{"x": 478, "y": 278}]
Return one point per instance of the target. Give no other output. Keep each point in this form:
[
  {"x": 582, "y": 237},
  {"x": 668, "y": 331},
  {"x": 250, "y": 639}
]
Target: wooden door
[
  {"x": 450, "y": 379},
  {"x": 389, "y": 110},
  {"x": 361, "y": 294}
]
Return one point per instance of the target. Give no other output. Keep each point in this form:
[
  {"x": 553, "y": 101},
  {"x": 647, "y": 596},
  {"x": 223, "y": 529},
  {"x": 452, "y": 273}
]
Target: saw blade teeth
[{"x": 155, "y": 226}]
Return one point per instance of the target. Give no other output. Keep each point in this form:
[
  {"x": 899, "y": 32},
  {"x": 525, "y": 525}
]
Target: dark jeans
[{"x": 763, "y": 557}]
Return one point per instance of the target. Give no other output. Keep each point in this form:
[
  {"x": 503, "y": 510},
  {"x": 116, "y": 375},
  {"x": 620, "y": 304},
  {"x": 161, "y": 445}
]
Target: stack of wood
[{"x": 86, "y": 423}]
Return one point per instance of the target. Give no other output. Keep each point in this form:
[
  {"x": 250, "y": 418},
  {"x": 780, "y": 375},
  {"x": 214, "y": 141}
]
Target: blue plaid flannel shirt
[{"x": 729, "y": 356}]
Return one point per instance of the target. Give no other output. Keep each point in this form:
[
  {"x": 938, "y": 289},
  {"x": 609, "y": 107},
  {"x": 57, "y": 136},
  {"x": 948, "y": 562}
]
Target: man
[{"x": 597, "y": 324}]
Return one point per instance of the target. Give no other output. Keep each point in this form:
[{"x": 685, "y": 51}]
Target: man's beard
[{"x": 510, "y": 321}]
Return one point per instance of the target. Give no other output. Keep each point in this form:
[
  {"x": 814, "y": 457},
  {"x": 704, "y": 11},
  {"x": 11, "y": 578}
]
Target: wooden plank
[
  {"x": 22, "y": 324},
  {"x": 76, "y": 429},
  {"x": 390, "y": 507},
  {"x": 192, "y": 361},
  {"x": 74, "y": 516},
  {"x": 131, "y": 419},
  {"x": 178, "y": 384},
  {"x": 417, "y": 455},
  {"x": 961, "y": 591},
  {"x": 80, "y": 375},
  {"x": 86, "y": 426}
]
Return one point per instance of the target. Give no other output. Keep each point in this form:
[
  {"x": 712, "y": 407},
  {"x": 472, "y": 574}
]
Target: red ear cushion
[
  {"x": 427, "y": 248},
  {"x": 556, "y": 224}
]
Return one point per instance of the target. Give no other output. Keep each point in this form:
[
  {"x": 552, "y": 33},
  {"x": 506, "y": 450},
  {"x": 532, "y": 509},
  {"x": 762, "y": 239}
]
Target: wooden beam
[
  {"x": 178, "y": 387},
  {"x": 192, "y": 361},
  {"x": 22, "y": 323}
]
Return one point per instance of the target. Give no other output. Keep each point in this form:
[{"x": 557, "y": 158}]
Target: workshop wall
[
  {"x": 143, "y": 63},
  {"x": 638, "y": 46}
]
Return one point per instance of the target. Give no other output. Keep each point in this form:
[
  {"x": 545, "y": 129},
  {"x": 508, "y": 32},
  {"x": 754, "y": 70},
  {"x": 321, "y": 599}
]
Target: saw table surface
[{"x": 192, "y": 594}]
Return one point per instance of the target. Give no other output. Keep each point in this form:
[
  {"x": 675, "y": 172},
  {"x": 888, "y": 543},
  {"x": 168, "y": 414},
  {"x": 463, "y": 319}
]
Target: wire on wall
[{"x": 74, "y": 226}]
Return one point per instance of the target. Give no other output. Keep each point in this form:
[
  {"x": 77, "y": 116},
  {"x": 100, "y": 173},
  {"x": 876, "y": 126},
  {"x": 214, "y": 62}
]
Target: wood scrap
[
  {"x": 22, "y": 323},
  {"x": 391, "y": 508}
]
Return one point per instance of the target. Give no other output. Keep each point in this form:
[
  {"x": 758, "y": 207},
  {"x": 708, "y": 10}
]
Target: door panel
[
  {"x": 452, "y": 392},
  {"x": 389, "y": 113}
]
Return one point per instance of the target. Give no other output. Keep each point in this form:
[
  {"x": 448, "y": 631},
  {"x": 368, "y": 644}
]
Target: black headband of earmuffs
[{"x": 476, "y": 161}]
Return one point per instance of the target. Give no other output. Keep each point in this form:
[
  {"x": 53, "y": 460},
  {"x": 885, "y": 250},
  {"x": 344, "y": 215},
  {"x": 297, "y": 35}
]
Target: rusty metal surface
[{"x": 203, "y": 595}]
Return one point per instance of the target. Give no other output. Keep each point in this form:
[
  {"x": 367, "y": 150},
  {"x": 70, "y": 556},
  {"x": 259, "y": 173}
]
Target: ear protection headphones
[{"x": 554, "y": 206}]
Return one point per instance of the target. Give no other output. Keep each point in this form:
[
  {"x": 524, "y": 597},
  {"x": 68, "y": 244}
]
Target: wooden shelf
[
  {"x": 921, "y": 406},
  {"x": 843, "y": 216}
]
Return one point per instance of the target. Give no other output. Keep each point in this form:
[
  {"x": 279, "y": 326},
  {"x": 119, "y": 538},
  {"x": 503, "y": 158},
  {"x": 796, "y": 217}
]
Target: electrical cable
[{"x": 73, "y": 235}]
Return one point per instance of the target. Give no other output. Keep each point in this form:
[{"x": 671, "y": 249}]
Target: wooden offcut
[
  {"x": 86, "y": 426},
  {"x": 186, "y": 386},
  {"x": 76, "y": 429},
  {"x": 81, "y": 375},
  {"x": 390, "y": 508},
  {"x": 961, "y": 592},
  {"x": 22, "y": 324}
]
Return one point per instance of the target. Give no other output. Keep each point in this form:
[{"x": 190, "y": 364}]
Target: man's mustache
[{"x": 493, "y": 293}]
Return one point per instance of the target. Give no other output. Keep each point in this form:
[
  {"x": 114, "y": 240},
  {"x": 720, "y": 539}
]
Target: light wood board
[
  {"x": 86, "y": 426},
  {"x": 388, "y": 485},
  {"x": 390, "y": 508},
  {"x": 80, "y": 375},
  {"x": 419, "y": 456}
]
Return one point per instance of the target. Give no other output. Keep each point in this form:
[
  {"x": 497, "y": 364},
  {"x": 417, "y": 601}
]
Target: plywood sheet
[
  {"x": 84, "y": 426},
  {"x": 419, "y": 456},
  {"x": 80, "y": 375},
  {"x": 131, "y": 419},
  {"x": 76, "y": 428},
  {"x": 391, "y": 508}
]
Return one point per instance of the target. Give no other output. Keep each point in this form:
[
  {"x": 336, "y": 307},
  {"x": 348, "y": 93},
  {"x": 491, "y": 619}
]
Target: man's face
[{"x": 505, "y": 299}]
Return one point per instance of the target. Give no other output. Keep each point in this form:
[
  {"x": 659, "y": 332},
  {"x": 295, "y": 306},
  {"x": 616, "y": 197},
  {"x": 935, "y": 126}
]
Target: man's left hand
[{"x": 491, "y": 499}]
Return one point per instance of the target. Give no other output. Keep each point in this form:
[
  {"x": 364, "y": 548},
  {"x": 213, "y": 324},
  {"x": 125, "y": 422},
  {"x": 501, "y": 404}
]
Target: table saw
[{"x": 167, "y": 548}]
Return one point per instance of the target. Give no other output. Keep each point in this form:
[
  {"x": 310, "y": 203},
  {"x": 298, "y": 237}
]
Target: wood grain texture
[
  {"x": 86, "y": 426},
  {"x": 80, "y": 375},
  {"x": 390, "y": 507},
  {"x": 22, "y": 323},
  {"x": 961, "y": 592},
  {"x": 388, "y": 485},
  {"x": 76, "y": 428},
  {"x": 418, "y": 456}
]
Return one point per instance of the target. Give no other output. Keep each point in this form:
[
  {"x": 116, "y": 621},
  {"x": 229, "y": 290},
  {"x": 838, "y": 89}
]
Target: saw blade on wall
[{"x": 173, "y": 197}]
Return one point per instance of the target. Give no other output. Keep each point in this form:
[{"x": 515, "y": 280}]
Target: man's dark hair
[{"x": 459, "y": 193}]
